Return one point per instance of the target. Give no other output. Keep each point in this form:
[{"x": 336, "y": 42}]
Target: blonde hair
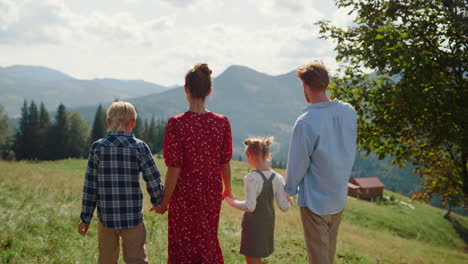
[
  {"x": 120, "y": 113},
  {"x": 315, "y": 75},
  {"x": 259, "y": 147}
]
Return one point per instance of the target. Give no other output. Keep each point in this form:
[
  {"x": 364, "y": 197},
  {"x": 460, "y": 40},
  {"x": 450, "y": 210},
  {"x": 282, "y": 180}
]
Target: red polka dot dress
[{"x": 198, "y": 144}]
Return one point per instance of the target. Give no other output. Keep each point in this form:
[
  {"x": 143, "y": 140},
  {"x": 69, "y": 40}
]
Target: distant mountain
[
  {"x": 256, "y": 103},
  {"x": 53, "y": 87},
  {"x": 37, "y": 73}
]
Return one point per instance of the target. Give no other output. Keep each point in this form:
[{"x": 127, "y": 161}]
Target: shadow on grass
[{"x": 461, "y": 230}]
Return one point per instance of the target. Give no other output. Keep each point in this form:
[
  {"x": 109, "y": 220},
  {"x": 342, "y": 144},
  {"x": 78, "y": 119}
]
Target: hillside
[
  {"x": 40, "y": 204},
  {"x": 53, "y": 87}
]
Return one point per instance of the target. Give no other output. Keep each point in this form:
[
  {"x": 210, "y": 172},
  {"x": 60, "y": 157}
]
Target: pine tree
[
  {"x": 58, "y": 143},
  {"x": 43, "y": 133},
  {"x": 33, "y": 132},
  {"x": 152, "y": 135},
  {"x": 22, "y": 133},
  {"x": 99, "y": 129},
  {"x": 139, "y": 128}
]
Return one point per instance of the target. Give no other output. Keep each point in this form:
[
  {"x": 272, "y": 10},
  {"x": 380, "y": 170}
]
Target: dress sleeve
[
  {"x": 226, "y": 149},
  {"x": 173, "y": 150}
]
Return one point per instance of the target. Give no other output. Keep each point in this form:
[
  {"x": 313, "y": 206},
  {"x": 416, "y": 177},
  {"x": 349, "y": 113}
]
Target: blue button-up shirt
[
  {"x": 112, "y": 180},
  {"x": 321, "y": 156}
]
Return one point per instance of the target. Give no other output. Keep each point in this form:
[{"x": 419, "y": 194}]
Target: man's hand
[
  {"x": 82, "y": 228},
  {"x": 161, "y": 209},
  {"x": 290, "y": 199}
]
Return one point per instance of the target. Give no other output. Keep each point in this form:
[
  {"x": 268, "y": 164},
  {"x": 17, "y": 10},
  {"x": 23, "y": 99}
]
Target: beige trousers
[
  {"x": 133, "y": 244},
  {"x": 320, "y": 233}
]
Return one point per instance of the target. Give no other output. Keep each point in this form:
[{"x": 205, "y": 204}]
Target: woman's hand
[
  {"x": 227, "y": 193},
  {"x": 161, "y": 209}
]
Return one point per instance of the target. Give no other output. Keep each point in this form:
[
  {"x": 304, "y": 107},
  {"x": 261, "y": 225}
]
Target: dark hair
[
  {"x": 198, "y": 80},
  {"x": 315, "y": 75}
]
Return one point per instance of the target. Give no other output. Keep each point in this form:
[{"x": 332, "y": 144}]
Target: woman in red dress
[{"x": 197, "y": 152}]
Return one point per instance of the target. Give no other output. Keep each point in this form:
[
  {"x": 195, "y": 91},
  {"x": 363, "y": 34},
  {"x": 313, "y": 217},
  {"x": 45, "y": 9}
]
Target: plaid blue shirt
[{"x": 112, "y": 180}]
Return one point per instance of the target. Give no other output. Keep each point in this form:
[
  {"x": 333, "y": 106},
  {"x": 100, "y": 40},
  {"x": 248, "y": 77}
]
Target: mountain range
[{"x": 52, "y": 87}]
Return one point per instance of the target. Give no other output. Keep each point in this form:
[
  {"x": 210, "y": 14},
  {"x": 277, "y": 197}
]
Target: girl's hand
[
  {"x": 290, "y": 199},
  {"x": 227, "y": 193}
]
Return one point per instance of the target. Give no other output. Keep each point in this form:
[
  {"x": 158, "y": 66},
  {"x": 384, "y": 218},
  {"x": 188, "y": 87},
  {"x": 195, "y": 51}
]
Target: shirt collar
[
  {"x": 121, "y": 133},
  {"x": 321, "y": 105}
]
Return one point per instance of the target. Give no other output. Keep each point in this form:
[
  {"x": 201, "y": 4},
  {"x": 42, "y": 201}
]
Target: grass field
[{"x": 40, "y": 205}]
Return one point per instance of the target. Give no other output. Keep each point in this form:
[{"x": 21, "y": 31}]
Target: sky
[{"x": 159, "y": 40}]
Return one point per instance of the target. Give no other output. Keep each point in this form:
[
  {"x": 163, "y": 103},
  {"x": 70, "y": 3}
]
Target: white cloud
[{"x": 159, "y": 41}]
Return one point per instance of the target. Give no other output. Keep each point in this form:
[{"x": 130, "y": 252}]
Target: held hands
[
  {"x": 227, "y": 193},
  {"x": 82, "y": 228},
  {"x": 161, "y": 209},
  {"x": 290, "y": 199}
]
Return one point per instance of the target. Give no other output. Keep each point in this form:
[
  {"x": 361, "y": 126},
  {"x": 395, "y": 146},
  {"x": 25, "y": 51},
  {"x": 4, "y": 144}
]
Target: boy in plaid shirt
[{"x": 112, "y": 184}]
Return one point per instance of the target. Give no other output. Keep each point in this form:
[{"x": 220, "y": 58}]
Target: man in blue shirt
[{"x": 321, "y": 156}]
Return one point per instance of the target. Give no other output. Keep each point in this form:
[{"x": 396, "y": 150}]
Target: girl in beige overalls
[{"x": 260, "y": 187}]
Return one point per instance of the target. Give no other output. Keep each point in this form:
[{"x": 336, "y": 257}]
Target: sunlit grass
[{"x": 40, "y": 206}]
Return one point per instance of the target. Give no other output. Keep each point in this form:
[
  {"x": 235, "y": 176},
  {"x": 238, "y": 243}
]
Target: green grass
[{"x": 40, "y": 206}]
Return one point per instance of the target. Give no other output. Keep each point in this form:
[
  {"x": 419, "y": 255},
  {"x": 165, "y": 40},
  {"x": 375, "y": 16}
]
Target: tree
[
  {"x": 413, "y": 108},
  {"x": 21, "y": 136},
  {"x": 139, "y": 129},
  {"x": 43, "y": 133},
  {"x": 6, "y": 134},
  {"x": 77, "y": 135},
  {"x": 33, "y": 139},
  {"x": 57, "y": 140},
  {"x": 99, "y": 129}
]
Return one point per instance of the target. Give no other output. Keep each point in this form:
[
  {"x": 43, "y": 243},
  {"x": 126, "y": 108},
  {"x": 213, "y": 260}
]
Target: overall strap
[
  {"x": 261, "y": 174},
  {"x": 272, "y": 176}
]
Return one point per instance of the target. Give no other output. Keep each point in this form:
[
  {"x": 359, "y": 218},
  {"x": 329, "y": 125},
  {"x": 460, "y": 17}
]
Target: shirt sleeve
[
  {"x": 173, "y": 149},
  {"x": 281, "y": 199},
  {"x": 88, "y": 202},
  {"x": 151, "y": 176},
  {"x": 226, "y": 149},
  {"x": 302, "y": 145},
  {"x": 250, "y": 202}
]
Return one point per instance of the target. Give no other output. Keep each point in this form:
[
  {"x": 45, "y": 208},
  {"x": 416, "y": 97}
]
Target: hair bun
[
  {"x": 268, "y": 141},
  {"x": 202, "y": 70},
  {"x": 248, "y": 142}
]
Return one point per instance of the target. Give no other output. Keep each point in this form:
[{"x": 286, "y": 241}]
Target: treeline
[{"x": 66, "y": 136}]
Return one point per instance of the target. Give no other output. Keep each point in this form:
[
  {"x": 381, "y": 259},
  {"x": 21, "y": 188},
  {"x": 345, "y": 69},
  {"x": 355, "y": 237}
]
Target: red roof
[
  {"x": 370, "y": 182},
  {"x": 353, "y": 186}
]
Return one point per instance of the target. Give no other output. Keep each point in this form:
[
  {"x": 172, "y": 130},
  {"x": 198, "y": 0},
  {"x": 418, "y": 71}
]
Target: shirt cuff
[{"x": 290, "y": 191}]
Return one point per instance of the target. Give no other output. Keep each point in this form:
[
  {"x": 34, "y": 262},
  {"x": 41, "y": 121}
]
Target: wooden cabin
[{"x": 365, "y": 188}]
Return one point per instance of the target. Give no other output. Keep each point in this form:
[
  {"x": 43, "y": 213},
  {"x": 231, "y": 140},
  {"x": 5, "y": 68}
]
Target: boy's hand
[
  {"x": 82, "y": 228},
  {"x": 161, "y": 209}
]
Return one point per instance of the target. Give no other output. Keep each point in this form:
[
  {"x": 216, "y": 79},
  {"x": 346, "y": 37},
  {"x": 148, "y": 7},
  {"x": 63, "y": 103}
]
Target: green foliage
[
  {"x": 415, "y": 104},
  {"x": 99, "y": 129},
  {"x": 6, "y": 135},
  {"x": 78, "y": 132}
]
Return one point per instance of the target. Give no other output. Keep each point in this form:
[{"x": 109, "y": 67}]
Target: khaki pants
[
  {"x": 320, "y": 233},
  {"x": 133, "y": 244}
]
